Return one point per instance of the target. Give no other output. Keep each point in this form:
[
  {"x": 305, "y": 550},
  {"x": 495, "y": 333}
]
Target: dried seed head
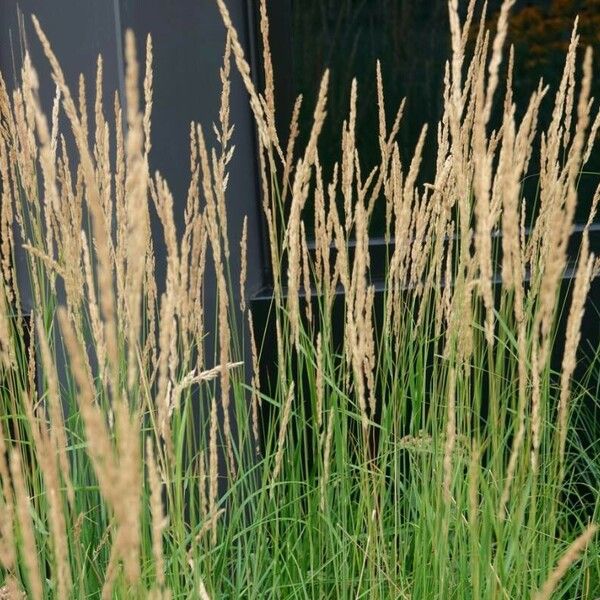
[
  {"x": 243, "y": 263},
  {"x": 568, "y": 558},
  {"x": 283, "y": 424}
]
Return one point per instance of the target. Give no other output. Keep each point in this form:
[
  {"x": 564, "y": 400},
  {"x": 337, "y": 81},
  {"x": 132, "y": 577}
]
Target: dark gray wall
[
  {"x": 78, "y": 31},
  {"x": 189, "y": 39}
]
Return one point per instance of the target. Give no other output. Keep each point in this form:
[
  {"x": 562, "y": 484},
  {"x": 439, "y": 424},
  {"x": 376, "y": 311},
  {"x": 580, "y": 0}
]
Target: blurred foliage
[{"x": 540, "y": 33}]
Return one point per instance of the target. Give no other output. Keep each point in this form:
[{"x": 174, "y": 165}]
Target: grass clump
[{"x": 419, "y": 438}]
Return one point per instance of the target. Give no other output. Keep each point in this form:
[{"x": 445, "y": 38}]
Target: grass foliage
[{"x": 426, "y": 436}]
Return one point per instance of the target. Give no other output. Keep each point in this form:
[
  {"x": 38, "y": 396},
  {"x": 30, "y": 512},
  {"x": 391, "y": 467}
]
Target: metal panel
[{"x": 79, "y": 31}]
